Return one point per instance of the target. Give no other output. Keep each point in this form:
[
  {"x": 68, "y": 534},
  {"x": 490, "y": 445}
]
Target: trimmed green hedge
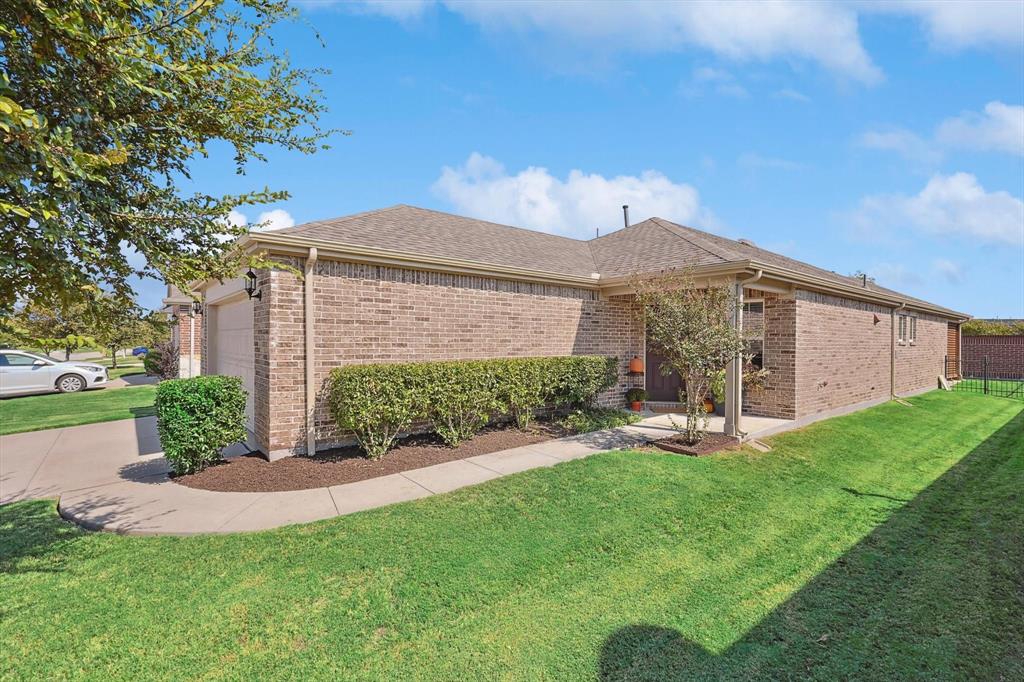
[
  {"x": 457, "y": 398},
  {"x": 197, "y": 418}
]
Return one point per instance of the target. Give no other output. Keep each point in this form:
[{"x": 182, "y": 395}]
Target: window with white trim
[
  {"x": 913, "y": 329},
  {"x": 901, "y": 334}
]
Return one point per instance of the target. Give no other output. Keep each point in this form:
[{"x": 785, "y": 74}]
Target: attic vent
[{"x": 747, "y": 242}]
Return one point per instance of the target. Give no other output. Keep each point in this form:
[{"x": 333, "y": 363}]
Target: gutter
[
  {"x": 892, "y": 349},
  {"x": 310, "y": 363},
  {"x": 362, "y": 254},
  {"x": 734, "y": 372}
]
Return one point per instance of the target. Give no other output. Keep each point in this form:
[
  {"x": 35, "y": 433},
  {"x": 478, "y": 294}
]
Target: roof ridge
[
  {"x": 660, "y": 223},
  {"x": 340, "y": 219},
  {"x": 489, "y": 222}
]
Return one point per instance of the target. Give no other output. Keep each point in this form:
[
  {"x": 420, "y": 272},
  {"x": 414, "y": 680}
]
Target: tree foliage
[
  {"x": 993, "y": 328},
  {"x": 104, "y": 106},
  {"x": 692, "y": 328}
]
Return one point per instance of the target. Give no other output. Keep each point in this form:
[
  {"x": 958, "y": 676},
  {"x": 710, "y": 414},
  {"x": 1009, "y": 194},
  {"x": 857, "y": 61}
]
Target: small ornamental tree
[{"x": 692, "y": 328}]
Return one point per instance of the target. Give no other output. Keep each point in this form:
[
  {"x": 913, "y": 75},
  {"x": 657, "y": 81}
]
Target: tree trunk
[
  {"x": 67, "y": 353},
  {"x": 113, "y": 357}
]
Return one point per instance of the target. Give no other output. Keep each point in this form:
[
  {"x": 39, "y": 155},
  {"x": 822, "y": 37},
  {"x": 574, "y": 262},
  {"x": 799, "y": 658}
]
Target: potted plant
[{"x": 636, "y": 398}]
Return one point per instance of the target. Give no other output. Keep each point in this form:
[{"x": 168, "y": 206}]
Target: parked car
[
  {"x": 140, "y": 350},
  {"x": 22, "y": 373}
]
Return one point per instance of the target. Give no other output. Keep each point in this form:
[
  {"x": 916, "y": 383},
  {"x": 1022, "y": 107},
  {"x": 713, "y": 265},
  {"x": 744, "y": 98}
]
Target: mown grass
[
  {"x": 882, "y": 545},
  {"x": 53, "y": 410},
  {"x": 1004, "y": 388}
]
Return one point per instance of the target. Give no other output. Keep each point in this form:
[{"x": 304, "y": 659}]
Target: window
[
  {"x": 16, "y": 360},
  {"x": 901, "y": 334},
  {"x": 913, "y": 329},
  {"x": 753, "y": 329}
]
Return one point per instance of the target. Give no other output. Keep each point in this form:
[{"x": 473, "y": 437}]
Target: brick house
[
  {"x": 406, "y": 284},
  {"x": 186, "y": 331}
]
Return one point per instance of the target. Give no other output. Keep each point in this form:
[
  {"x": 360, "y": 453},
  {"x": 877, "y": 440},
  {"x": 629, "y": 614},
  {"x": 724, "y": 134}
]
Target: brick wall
[
  {"x": 181, "y": 336},
  {"x": 843, "y": 353},
  {"x": 778, "y": 396},
  {"x": 1005, "y": 355},
  {"x": 367, "y": 313}
]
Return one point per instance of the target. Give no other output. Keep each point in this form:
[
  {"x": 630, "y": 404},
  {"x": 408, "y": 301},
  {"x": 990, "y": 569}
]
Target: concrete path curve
[{"x": 112, "y": 476}]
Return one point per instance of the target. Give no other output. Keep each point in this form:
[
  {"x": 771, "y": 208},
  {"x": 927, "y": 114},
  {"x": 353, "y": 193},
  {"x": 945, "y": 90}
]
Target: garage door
[{"x": 231, "y": 346}]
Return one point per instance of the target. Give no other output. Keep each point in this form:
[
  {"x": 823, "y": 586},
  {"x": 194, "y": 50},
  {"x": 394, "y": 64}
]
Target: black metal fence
[{"x": 977, "y": 376}]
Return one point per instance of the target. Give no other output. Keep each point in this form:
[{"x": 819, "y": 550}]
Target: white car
[{"x": 22, "y": 373}]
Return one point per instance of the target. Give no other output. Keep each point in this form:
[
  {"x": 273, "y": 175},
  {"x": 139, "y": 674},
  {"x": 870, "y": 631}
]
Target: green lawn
[
  {"x": 882, "y": 545},
  {"x": 49, "y": 411}
]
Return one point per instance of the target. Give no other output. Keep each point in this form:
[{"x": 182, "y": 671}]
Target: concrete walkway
[{"x": 112, "y": 476}]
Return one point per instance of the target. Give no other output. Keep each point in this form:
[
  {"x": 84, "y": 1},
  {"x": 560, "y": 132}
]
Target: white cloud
[
  {"x": 573, "y": 206},
  {"x": 268, "y": 220},
  {"x": 795, "y": 95},
  {"x": 717, "y": 80},
  {"x": 904, "y": 142},
  {"x": 274, "y": 220},
  {"x": 236, "y": 218},
  {"x": 743, "y": 30},
  {"x": 999, "y": 128},
  {"x": 955, "y": 205},
  {"x": 751, "y": 160},
  {"x": 948, "y": 270},
  {"x": 894, "y": 275},
  {"x": 955, "y": 24}
]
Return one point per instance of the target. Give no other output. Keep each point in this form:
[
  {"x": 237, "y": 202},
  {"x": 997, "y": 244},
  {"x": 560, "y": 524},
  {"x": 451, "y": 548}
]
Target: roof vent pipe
[
  {"x": 864, "y": 280},
  {"x": 625, "y": 214}
]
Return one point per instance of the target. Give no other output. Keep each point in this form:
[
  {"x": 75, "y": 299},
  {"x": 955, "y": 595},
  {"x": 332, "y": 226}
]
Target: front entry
[{"x": 661, "y": 388}]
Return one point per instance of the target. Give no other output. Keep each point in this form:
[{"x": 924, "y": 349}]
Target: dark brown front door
[{"x": 660, "y": 387}]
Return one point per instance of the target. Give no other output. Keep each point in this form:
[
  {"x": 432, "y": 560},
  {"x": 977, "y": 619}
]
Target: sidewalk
[{"x": 112, "y": 476}]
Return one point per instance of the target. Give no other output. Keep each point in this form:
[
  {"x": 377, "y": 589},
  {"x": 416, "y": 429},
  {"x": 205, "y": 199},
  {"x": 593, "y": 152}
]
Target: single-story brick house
[
  {"x": 407, "y": 284},
  {"x": 186, "y": 330}
]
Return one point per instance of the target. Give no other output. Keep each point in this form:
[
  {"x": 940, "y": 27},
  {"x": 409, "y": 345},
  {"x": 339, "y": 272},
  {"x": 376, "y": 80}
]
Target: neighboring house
[
  {"x": 406, "y": 284},
  {"x": 186, "y": 331}
]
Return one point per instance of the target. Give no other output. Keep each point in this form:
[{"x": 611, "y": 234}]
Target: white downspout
[
  {"x": 310, "y": 353},
  {"x": 734, "y": 372},
  {"x": 892, "y": 350}
]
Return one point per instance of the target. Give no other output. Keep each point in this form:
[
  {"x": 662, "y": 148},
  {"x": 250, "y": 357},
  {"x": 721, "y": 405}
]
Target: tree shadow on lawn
[{"x": 936, "y": 591}]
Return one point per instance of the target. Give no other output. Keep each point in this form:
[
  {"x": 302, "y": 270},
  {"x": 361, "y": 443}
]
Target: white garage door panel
[{"x": 233, "y": 347}]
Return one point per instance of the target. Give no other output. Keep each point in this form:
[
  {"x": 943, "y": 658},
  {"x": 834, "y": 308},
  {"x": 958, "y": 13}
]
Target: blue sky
[{"x": 888, "y": 139}]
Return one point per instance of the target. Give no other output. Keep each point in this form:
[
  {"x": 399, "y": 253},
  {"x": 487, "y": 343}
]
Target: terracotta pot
[
  {"x": 636, "y": 365},
  {"x": 636, "y": 405},
  {"x": 709, "y": 405}
]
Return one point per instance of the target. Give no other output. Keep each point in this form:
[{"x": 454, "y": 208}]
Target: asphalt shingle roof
[{"x": 648, "y": 246}]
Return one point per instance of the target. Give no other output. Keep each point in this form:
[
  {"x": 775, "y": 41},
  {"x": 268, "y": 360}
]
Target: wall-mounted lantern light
[
  {"x": 197, "y": 308},
  {"x": 250, "y": 286}
]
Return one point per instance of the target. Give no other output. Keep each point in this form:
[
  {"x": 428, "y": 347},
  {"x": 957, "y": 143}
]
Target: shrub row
[
  {"x": 198, "y": 417},
  {"x": 457, "y": 398}
]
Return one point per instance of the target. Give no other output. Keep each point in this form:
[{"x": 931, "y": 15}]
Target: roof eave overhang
[
  {"x": 299, "y": 246},
  {"x": 851, "y": 291},
  {"x": 280, "y": 244}
]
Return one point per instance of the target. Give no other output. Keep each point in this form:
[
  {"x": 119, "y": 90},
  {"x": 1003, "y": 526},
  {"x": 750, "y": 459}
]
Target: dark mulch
[
  {"x": 711, "y": 442},
  {"x": 252, "y": 473}
]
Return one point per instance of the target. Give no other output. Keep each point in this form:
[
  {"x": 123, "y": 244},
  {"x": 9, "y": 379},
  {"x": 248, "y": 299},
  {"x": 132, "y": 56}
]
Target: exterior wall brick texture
[
  {"x": 1005, "y": 355},
  {"x": 367, "y": 313}
]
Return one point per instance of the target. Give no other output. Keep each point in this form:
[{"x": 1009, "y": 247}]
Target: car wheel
[{"x": 70, "y": 383}]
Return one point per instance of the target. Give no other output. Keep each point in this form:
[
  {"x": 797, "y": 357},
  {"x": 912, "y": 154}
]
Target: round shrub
[{"x": 199, "y": 417}]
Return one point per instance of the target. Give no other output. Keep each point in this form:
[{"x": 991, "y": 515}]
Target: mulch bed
[
  {"x": 710, "y": 443},
  {"x": 252, "y": 473}
]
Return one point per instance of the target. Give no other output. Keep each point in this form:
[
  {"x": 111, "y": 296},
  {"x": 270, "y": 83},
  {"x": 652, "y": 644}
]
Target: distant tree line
[
  {"x": 993, "y": 328},
  {"x": 104, "y": 323}
]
